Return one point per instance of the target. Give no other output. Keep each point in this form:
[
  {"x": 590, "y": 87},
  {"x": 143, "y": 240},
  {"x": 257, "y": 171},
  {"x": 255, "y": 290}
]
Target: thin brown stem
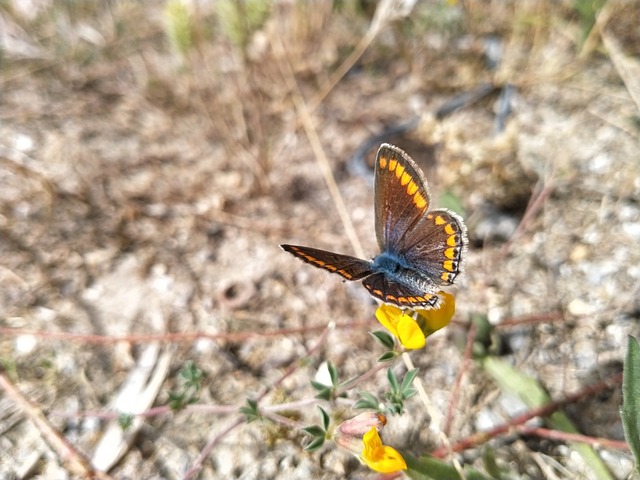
[
  {"x": 74, "y": 460},
  {"x": 235, "y": 337},
  {"x": 466, "y": 361},
  {"x": 512, "y": 424},
  {"x": 572, "y": 437}
]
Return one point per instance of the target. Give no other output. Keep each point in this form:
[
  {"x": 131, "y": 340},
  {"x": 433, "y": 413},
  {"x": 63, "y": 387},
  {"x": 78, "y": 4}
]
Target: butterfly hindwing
[
  {"x": 351, "y": 268},
  {"x": 399, "y": 294},
  {"x": 436, "y": 246}
]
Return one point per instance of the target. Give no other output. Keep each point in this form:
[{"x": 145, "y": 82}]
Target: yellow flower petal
[
  {"x": 409, "y": 333},
  {"x": 435, "y": 319},
  {"x": 402, "y": 326},
  {"x": 372, "y": 441},
  {"x": 379, "y": 457},
  {"x": 388, "y": 316}
]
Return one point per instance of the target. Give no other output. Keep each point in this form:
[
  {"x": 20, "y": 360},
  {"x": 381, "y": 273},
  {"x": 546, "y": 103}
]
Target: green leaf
[
  {"x": 315, "y": 444},
  {"x": 387, "y": 356},
  {"x": 393, "y": 379},
  {"x": 429, "y": 468},
  {"x": 487, "y": 341},
  {"x": 250, "y": 410},
  {"x": 385, "y": 339},
  {"x": 190, "y": 380},
  {"x": 325, "y": 418},
  {"x": 409, "y": 392},
  {"x": 394, "y": 408},
  {"x": 516, "y": 382},
  {"x": 324, "y": 391},
  {"x": 191, "y": 375},
  {"x": 630, "y": 412},
  {"x": 587, "y": 11},
  {"x": 318, "y": 386},
  {"x": 125, "y": 420},
  {"x": 314, "y": 431},
  {"x": 333, "y": 373},
  {"x": 367, "y": 401},
  {"x": 177, "y": 401},
  {"x": 407, "y": 381},
  {"x": 324, "y": 395}
]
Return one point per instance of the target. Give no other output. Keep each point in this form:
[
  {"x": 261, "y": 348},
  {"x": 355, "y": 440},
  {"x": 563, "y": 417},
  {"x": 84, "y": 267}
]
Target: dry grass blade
[
  {"x": 628, "y": 68},
  {"x": 137, "y": 394},
  {"x": 75, "y": 461},
  {"x": 386, "y": 11},
  {"x": 316, "y": 145}
]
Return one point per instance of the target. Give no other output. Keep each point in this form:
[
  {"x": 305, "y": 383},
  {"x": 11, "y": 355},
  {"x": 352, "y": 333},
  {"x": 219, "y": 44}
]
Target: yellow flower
[
  {"x": 402, "y": 326},
  {"x": 412, "y": 333},
  {"x": 379, "y": 457},
  {"x": 359, "y": 436},
  {"x": 436, "y": 318}
]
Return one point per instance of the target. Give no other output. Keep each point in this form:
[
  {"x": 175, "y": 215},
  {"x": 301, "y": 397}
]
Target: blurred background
[{"x": 154, "y": 154}]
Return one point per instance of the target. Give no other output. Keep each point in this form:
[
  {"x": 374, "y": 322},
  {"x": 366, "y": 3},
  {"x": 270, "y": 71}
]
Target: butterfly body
[
  {"x": 421, "y": 250},
  {"x": 390, "y": 263},
  {"x": 395, "y": 268}
]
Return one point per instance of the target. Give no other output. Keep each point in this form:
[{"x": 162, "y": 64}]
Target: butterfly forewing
[
  {"x": 401, "y": 196},
  {"x": 351, "y": 268}
]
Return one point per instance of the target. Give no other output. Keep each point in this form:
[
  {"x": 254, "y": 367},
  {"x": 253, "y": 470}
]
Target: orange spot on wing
[
  {"x": 450, "y": 253},
  {"x": 383, "y": 162},
  {"x": 419, "y": 201},
  {"x": 406, "y": 178},
  {"x": 448, "y": 265},
  {"x": 445, "y": 276},
  {"x": 345, "y": 274},
  {"x": 452, "y": 241},
  {"x": 412, "y": 188},
  {"x": 399, "y": 171},
  {"x": 392, "y": 165},
  {"x": 440, "y": 220},
  {"x": 449, "y": 229}
]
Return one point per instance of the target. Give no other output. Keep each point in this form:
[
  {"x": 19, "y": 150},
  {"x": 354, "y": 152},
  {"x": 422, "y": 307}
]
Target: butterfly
[{"x": 421, "y": 250}]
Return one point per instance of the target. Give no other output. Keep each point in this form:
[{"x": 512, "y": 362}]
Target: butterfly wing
[
  {"x": 351, "y": 268},
  {"x": 401, "y": 197},
  {"x": 435, "y": 246},
  {"x": 421, "y": 250},
  {"x": 401, "y": 294}
]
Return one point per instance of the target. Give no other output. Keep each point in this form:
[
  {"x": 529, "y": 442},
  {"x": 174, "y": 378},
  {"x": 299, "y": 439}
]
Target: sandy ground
[{"x": 145, "y": 191}]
